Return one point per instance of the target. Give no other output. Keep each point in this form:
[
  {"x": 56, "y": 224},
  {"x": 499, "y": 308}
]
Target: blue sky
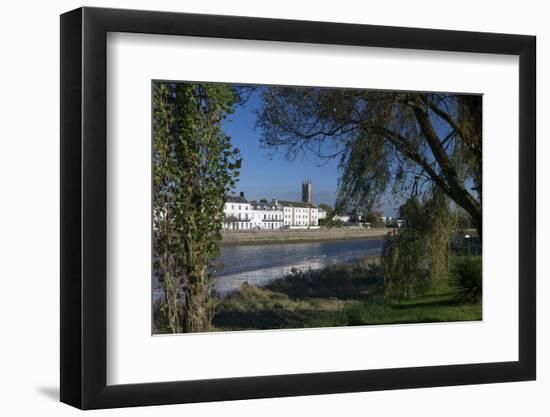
[{"x": 265, "y": 177}]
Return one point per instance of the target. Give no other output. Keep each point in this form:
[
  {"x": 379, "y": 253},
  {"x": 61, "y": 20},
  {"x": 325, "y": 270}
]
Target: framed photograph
[{"x": 257, "y": 208}]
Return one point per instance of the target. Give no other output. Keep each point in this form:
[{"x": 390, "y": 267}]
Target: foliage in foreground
[
  {"x": 467, "y": 278},
  {"x": 343, "y": 295},
  {"x": 194, "y": 165},
  {"x": 301, "y": 299},
  {"x": 383, "y": 139},
  {"x": 261, "y": 308}
]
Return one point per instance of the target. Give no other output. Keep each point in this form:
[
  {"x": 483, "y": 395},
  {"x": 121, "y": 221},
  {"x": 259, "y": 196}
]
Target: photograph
[
  {"x": 264, "y": 209},
  {"x": 291, "y": 207}
]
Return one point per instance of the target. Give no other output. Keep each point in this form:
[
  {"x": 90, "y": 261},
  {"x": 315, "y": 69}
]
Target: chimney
[{"x": 241, "y": 194}]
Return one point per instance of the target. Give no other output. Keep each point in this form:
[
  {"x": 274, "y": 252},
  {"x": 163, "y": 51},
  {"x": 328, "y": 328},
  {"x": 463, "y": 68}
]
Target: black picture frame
[{"x": 84, "y": 207}]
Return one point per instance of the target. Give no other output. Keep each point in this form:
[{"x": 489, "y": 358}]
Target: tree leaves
[
  {"x": 194, "y": 164},
  {"x": 382, "y": 139}
]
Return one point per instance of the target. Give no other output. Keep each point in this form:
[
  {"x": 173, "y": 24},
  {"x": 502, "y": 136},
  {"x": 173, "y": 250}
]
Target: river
[{"x": 261, "y": 264}]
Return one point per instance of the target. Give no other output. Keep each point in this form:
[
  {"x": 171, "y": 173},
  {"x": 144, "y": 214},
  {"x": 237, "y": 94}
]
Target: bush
[
  {"x": 467, "y": 278},
  {"x": 329, "y": 223},
  {"x": 341, "y": 281}
]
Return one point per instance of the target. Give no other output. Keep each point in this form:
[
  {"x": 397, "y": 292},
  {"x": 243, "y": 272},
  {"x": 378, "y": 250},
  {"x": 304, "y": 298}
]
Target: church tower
[{"x": 306, "y": 191}]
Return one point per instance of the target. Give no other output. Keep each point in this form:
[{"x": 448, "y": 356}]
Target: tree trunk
[
  {"x": 479, "y": 226},
  {"x": 454, "y": 185},
  {"x": 197, "y": 301}
]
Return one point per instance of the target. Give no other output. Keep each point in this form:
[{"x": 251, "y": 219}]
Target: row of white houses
[{"x": 241, "y": 214}]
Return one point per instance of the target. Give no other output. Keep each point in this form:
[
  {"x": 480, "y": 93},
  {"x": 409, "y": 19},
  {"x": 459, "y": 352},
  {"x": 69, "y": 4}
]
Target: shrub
[
  {"x": 341, "y": 281},
  {"x": 467, "y": 278}
]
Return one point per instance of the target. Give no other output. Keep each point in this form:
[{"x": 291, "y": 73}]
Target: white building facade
[
  {"x": 300, "y": 215},
  {"x": 267, "y": 215},
  {"x": 237, "y": 213},
  {"x": 241, "y": 214}
]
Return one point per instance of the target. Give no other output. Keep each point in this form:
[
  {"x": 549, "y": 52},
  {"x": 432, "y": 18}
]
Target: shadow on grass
[
  {"x": 447, "y": 299},
  {"x": 269, "y": 319}
]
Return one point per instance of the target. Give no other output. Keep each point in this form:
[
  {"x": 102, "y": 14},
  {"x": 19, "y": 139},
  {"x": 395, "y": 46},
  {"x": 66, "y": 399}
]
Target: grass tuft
[{"x": 467, "y": 278}]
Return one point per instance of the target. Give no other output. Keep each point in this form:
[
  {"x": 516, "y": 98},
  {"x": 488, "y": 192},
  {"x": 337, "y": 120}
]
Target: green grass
[
  {"x": 342, "y": 295},
  {"x": 261, "y": 308},
  {"x": 439, "y": 305}
]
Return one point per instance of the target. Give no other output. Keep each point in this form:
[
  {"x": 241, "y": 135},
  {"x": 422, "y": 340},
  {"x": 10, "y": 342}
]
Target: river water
[{"x": 261, "y": 264}]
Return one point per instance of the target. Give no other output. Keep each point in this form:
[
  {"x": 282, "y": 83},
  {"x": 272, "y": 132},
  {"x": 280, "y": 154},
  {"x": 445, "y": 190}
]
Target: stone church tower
[{"x": 306, "y": 191}]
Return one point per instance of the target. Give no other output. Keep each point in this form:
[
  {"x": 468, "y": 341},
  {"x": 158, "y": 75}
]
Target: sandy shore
[{"x": 298, "y": 236}]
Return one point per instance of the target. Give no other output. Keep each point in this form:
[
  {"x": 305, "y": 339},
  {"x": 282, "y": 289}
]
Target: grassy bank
[
  {"x": 342, "y": 295},
  {"x": 262, "y": 237}
]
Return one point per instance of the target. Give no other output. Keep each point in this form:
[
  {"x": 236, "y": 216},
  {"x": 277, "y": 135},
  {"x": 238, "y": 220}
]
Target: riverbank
[
  {"x": 265, "y": 237},
  {"x": 340, "y": 295}
]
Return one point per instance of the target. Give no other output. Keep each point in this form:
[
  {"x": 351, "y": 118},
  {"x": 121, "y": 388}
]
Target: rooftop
[
  {"x": 235, "y": 199},
  {"x": 295, "y": 204},
  {"x": 265, "y": 206}
]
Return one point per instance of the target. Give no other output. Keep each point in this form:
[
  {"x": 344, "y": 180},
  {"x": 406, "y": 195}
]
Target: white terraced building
[
  {"x": 267, "y": 215},
  {"x": 241, "y": 214},
  {"x": 300, "y": 215},
  {"x": 237, "y": 213}
]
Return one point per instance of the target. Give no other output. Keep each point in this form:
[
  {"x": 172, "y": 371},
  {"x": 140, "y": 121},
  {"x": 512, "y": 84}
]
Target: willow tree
[
  {"x": 418, "y": 258},
  {"x": 382, "y": 139},
  {"x": 194, "y": 165}
]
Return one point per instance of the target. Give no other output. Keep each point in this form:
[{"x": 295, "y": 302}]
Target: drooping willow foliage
[
  {"x": 383, "y": 140},
  {"x": 418, "y": 257}
]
